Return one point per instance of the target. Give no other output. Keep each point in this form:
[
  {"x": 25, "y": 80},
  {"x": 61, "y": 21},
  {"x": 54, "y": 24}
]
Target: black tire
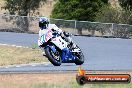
[
  {"x": 80, "y": 57},
  {"x": 81, "y": 80},
  {"x": 51, "y": 58}
]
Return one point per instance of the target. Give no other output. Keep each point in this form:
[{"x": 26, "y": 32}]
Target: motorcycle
[{"x": 59, "y": 51}]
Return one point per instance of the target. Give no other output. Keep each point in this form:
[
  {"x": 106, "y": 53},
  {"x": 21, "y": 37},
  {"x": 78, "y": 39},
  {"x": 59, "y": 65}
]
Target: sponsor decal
[{"x": 82, "y": 78}]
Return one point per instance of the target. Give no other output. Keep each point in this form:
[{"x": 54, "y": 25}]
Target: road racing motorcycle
[{"x": 59, "y": 51}]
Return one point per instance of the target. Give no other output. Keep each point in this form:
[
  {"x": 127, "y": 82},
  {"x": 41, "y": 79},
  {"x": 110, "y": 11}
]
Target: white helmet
[{"x": 43, "y": 22}]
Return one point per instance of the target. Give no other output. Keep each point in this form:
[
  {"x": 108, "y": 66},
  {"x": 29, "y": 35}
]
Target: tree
[
  {"x": 85, "y": 10},
  {"x": 77, "y": 9},
  {"x": 113, "y": 15},
  {"x": 23, "y": 8},
  {"x": 126, "y": 4},
  {"x": 127, "y": 9},
  {"x": 119, "y": 16}
]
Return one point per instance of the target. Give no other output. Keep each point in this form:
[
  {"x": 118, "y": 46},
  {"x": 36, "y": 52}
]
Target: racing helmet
[{"x": 43, "y": 22}]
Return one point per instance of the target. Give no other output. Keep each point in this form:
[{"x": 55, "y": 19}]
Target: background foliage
[
  {"x": 23, "y": 7},
  {"x": 78, "y": 9},
  {"x": 126, "y": 4}
]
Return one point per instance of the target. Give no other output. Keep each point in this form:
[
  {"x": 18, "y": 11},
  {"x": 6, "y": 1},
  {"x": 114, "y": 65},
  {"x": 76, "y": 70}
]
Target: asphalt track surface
[{"x": 100, "y": 53}]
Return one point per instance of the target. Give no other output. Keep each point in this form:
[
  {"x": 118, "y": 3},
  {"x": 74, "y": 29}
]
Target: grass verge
[{"x": 10, "y": 55}]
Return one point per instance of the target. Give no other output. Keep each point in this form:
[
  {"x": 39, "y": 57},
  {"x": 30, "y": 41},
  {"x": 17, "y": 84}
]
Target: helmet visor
[{"x": 42, "y": 24}]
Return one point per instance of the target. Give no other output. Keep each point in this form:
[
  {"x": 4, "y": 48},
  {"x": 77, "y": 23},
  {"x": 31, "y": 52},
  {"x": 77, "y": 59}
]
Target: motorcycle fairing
[
  {"x": 67, "y": 55},
  {"x": 59, "y": 42},
  {"x": 45, "y": 37},
  {"x": 76, "y": 50}
]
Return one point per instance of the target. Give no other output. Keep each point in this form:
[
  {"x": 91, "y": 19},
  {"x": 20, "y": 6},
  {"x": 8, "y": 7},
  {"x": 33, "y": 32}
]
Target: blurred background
[{"x": 102, "y": 18}]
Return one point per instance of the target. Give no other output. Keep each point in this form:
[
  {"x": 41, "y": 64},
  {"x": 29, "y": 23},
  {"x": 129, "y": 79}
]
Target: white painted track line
[
  {"x": 30, "y": 64},
  {"x": 12, "y": 45}
]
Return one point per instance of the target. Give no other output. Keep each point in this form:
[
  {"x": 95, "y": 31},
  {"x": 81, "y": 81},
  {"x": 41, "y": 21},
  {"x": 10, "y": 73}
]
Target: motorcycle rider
[{"x": 45, "y": 26}]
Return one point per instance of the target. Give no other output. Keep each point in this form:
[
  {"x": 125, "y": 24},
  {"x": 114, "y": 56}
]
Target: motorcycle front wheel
[
  {"x": 53, "y": 57},
  {"x": 79, "y": 57}
]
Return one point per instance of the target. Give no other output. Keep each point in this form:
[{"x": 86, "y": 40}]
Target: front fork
[{"x": 52, "y": 47}]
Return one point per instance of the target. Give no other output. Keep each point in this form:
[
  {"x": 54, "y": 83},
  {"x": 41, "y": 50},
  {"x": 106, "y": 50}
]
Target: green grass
[
  {"x": 75, "y": 85},
  {"x": 111, "y": 86},
  {"x": 34, "y": 46},
  {"x": 45, "y": 85},
  {"x": 10, "y": 55}
]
